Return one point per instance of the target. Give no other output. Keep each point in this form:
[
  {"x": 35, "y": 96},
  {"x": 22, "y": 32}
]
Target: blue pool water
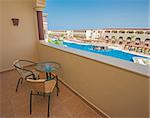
[{"x": 110, "y": 52}]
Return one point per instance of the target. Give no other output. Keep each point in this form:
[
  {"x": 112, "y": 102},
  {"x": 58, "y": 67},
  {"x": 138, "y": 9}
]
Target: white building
[
  {"x": 97, "y": 34},
  {"x": 93, "y": 34},
  {"x": 126, "y": 33},
  {"x": 69, "y": 33},
  {"x": 89, "y": 34},
  {"x": 118, "y": 33},
  {"x": 45, "y": 26},
  {"x": 79, "y": 33},
  {"x": 58, "y": 32},
  {"x": 102, "y": 34}
]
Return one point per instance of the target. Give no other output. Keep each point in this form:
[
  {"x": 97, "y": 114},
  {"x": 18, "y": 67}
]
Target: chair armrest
[
  {"x": 29, "y": 61},
  {"x": 36, "y": 81},
  {"x": 49, "y": 81}
]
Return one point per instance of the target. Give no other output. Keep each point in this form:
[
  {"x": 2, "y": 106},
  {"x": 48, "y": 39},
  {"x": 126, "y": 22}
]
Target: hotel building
[
  {"x": 126, "y": 33},
  {"x": 110, "y": 33},
  {"x": 79, "y": 33},
  {"x": 45, "y": 26}
]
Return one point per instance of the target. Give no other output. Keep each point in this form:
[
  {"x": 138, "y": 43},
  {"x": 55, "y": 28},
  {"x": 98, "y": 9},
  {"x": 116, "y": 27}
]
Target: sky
[{"x": 96, "y": 14}]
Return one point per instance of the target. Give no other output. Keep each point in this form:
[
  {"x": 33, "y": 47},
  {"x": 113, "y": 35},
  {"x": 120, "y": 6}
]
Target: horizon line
[{"x": 104, "y": 29}]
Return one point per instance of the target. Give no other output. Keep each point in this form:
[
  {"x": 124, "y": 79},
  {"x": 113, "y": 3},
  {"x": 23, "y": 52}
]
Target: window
[
  {"x": 147, "y": 32},
  {"x": 147, "y": 39},
  {"x": 107, "y": 31},
  {"x": 137, "y": 39},
  {"x": 139, "y": 32},
  {"x": 121, "y": 31},
  {"x": 120, "y": 38},
  {"x": 129, "y": 38},
  {"x": 106, "y": 37},
  {"x": 130, "y": 32},
  {"x": 113, "y": 31}
]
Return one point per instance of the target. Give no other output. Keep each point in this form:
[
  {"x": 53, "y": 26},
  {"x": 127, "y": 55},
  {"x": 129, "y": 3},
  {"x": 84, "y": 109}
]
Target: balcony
[{"x": 89, "y": 88}]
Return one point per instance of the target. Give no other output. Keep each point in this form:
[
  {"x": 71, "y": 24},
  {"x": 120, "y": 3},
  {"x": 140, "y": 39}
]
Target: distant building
[
  {"x": 62, "y": 33},
  {"x": 69, "y": 33},
  {"x": 94, "y": 34},
  {"x": 108, "y": 33},
  {"x": 45, "y": 26},
  {"x": 97, "y": 34},
  {"x": 126, "y": 33},
  {"x": 89, "y": 34},
  {"x": 79, "y": 33}
]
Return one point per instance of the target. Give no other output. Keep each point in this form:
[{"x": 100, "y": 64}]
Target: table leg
[
  {"x": 46, "y": 75},
  {"x": 50, "y": 75},
  {"x": 57, "y": 84}
]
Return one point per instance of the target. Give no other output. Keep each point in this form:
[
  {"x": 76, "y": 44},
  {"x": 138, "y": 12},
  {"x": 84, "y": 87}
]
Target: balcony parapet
[{"x": 129, "y": 66}]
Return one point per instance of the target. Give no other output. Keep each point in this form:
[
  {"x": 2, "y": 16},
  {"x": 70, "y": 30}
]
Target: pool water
[{"x": 110, "y": 52}]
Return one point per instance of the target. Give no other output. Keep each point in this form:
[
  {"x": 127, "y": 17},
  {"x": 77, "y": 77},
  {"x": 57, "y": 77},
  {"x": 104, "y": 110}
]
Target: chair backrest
[
  {"x": 41, "y": 85},
  {"x": 19, "y": 67},
  {"x": 37, "y": 85}
]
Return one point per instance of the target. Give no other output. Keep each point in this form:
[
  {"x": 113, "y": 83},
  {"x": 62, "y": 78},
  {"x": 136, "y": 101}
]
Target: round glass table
[{"x": 47, "y": 67}]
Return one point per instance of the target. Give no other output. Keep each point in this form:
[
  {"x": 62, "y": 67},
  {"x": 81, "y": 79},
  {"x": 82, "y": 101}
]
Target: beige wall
[
  {"x": 149, "y": 98},
  {"x": 0, "y": 33},
  {"x": 18, "y": 42},
  {"x": 119, "y": 93}
]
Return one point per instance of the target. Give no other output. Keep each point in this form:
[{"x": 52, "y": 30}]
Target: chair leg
[
  {"x": 18, "y": 84},
  {"x": 30, "y": 102},
  {"x": 43, "y": 95},
  {"x": 48, "y": 103},
  {"x": 21, "y": 80},
  {"x": 57, "y": 84}
]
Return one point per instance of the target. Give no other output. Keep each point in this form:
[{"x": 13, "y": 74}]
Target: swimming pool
[{"x": 110, "y": 52}]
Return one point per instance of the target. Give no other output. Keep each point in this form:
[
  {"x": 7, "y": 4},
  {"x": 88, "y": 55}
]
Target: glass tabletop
[{"x": 47, "y": 66}]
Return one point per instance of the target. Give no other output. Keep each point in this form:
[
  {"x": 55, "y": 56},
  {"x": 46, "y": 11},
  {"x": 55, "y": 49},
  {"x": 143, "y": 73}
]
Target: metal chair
[
  {"x": 53, "y": 76},
  {"x": 20, "y": 67},
  {"x": 41, "y": 87}
]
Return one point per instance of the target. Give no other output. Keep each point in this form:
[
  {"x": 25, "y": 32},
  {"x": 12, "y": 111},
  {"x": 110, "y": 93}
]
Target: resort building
[
  {"x": 61, "y": 33},
  {"x": 69, "y": 33},
  {"x": 79, "y": 33},
  {"x": 136, "y": 40},
  {"x": 126, "y": 33},
  {"x": 93, "y": 34},
  {"x": 89, "y": 34},
  {"x": 112, "y": 33},
  {"x": 97, "y": 34},
  {"x": 58, "y": 81},
  {"x": 45, "y": 26}
]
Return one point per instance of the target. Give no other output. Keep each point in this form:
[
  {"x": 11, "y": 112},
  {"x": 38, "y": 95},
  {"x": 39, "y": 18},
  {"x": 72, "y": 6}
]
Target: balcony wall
[
  {"x": 0, "y": 33},
  {"x": 20, "y": 41},
  {"x": 117, "y": 92}
]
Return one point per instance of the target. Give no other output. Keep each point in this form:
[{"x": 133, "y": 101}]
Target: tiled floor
[{"x": 16, "y": 105}]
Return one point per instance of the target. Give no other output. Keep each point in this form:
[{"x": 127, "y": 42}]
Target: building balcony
[{"x": 90, "y": 86}]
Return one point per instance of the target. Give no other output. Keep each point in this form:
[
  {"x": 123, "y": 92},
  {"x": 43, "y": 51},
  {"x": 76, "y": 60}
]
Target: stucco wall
[
  {"x": 0, "y": 32},
  {"x": 119, "y": 93},
  {"x": 18, "y": 41},
  {"x": 149, "y": 98}
]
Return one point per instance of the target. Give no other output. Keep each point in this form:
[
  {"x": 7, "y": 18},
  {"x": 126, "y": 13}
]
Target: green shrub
[{"x": 57, "y": 42}]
